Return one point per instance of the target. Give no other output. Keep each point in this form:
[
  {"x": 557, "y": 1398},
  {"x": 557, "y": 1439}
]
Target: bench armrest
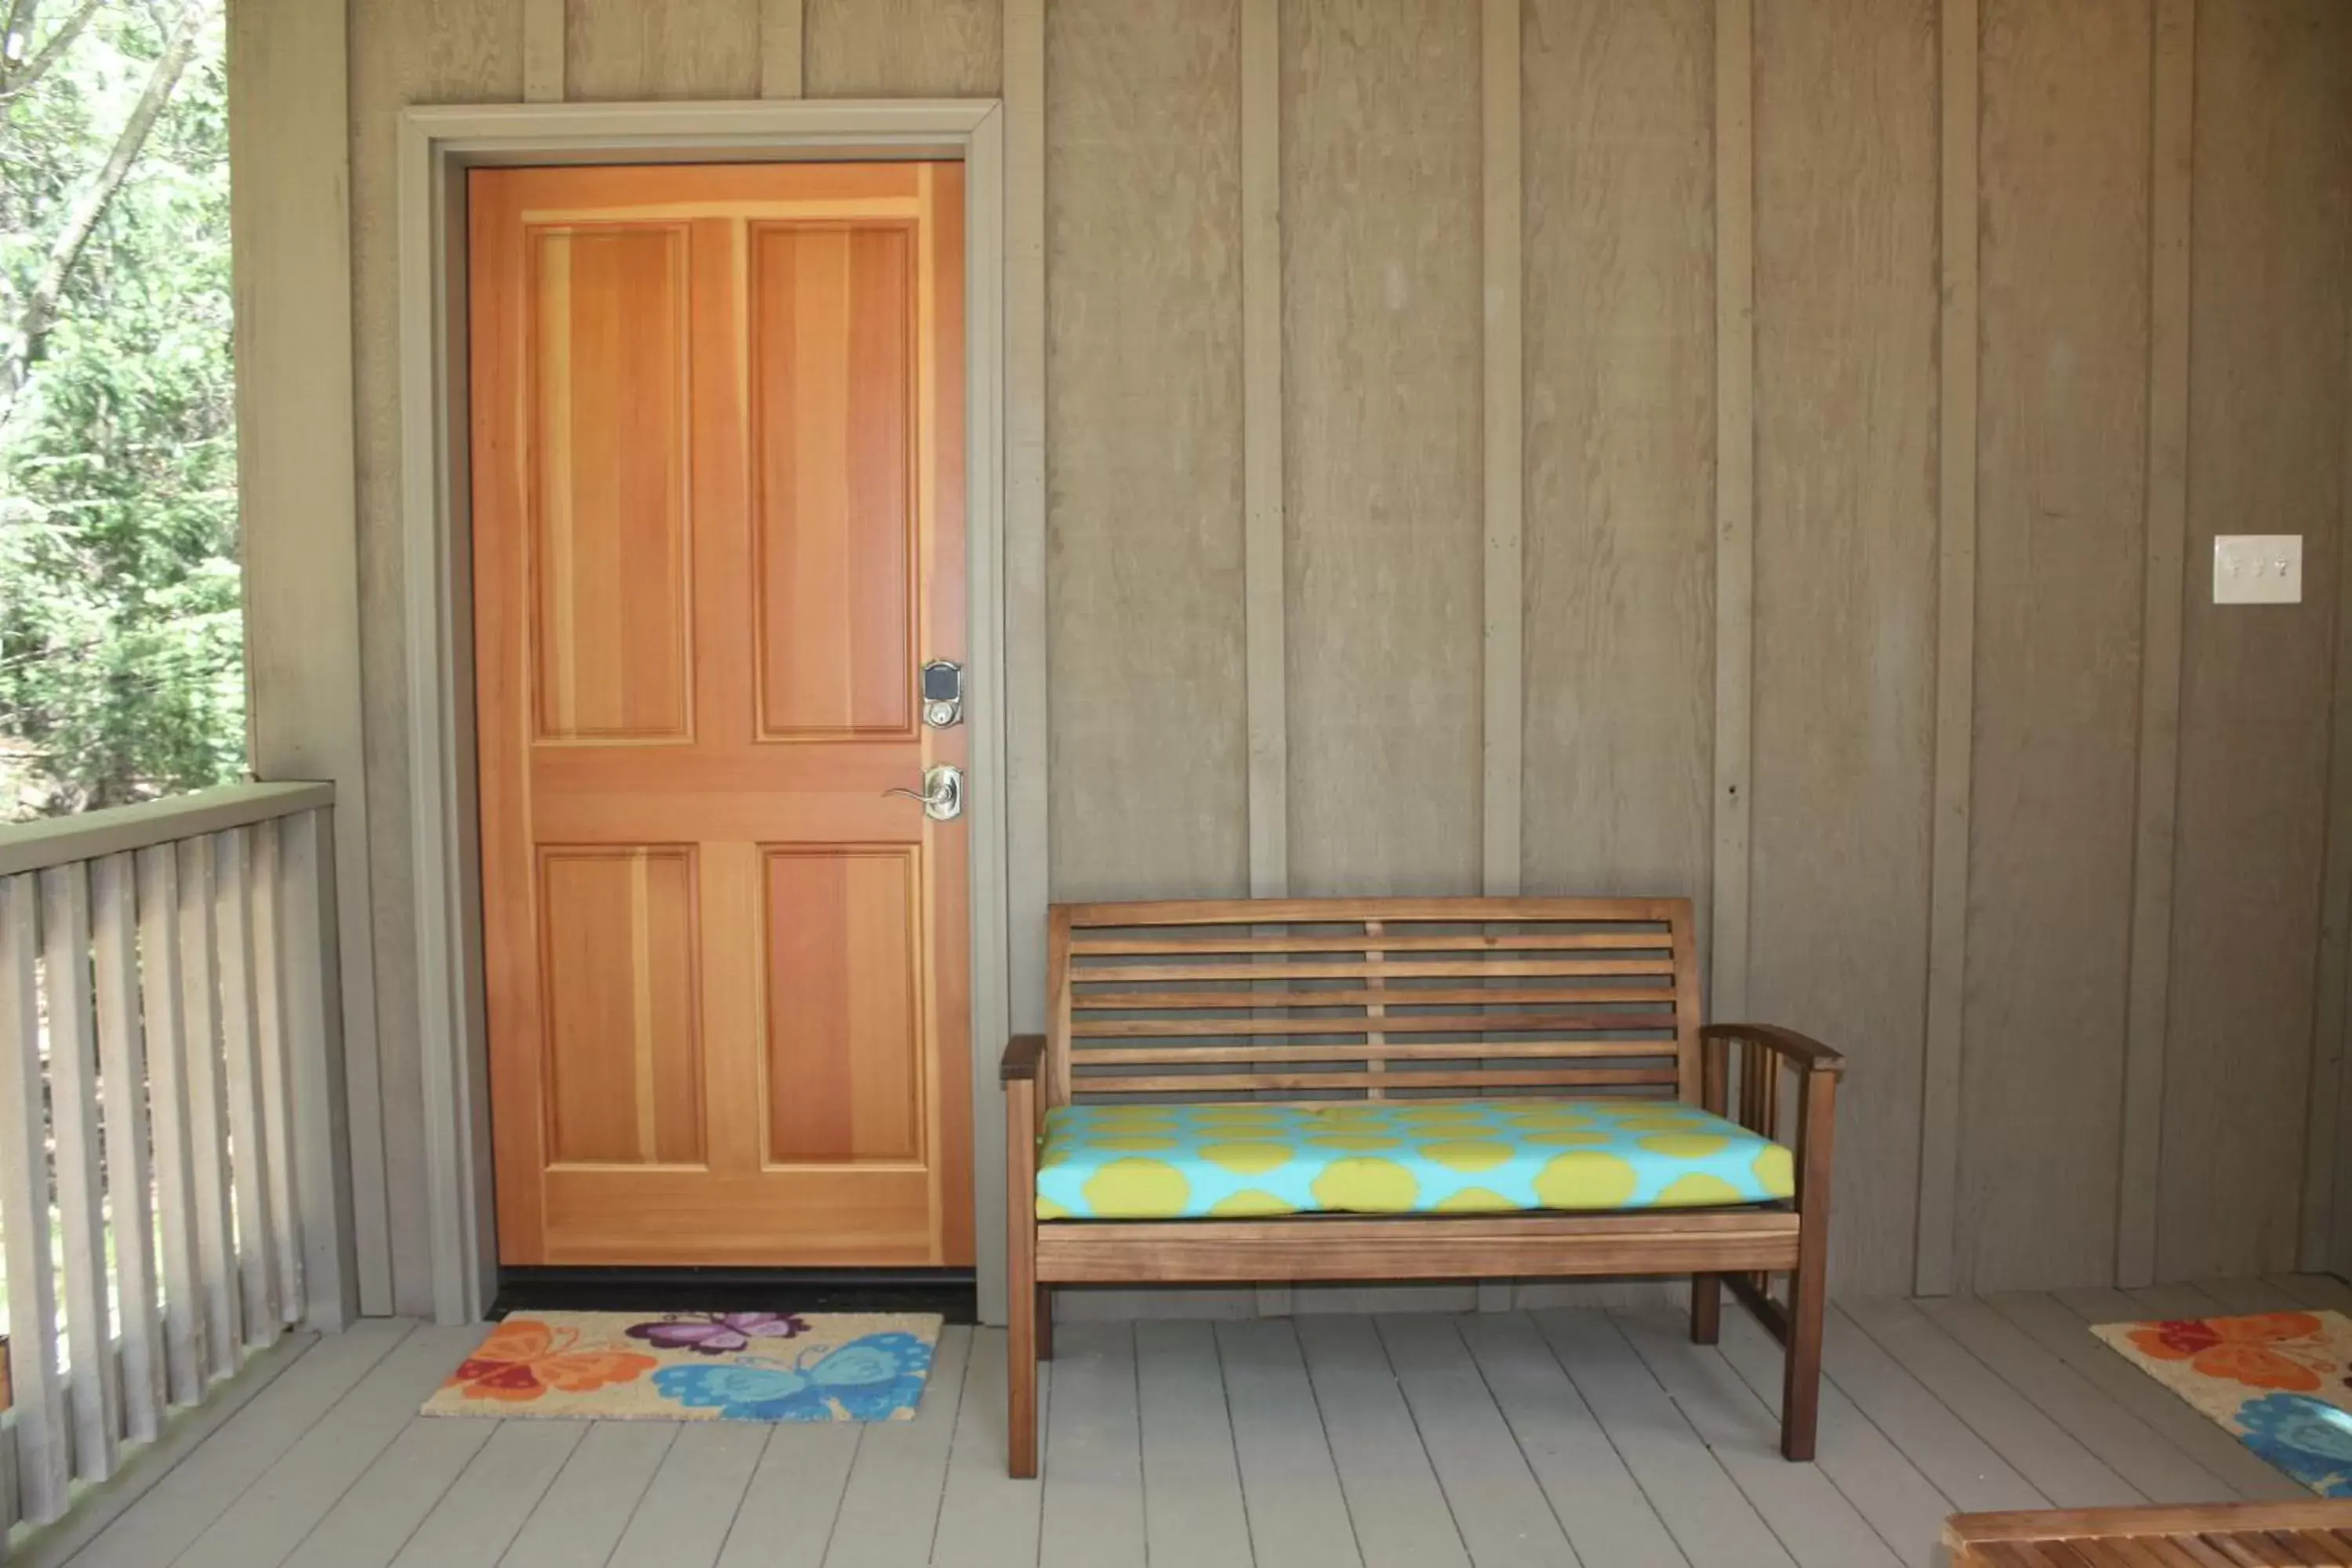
[
  {"x": 1818, "y": 1071},
  {"x": 1025, "y": 1057},
  {"x": 1801, "y": 1051}
]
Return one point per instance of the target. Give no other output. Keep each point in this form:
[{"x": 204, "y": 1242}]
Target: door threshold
[{"x": 950, "y": 1292}]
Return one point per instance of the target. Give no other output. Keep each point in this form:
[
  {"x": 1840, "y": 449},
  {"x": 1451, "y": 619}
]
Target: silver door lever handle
[{"x": 942, "y": 792}]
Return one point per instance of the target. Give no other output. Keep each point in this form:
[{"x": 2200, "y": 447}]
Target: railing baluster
[
  {"x": 269, "y": 1019},
  {"x": 249, "y": 1146},
  {"x": 207, "y": 1138},
  {"x": 93, "y": 1388},
  {"x": 167, "y": 1074},
  {"x": 9, "y": 1506},
  {"x": 314, "y": 1021},
  {"x": 122, "y": 1073},
  {"x": 42, "y": 1455}
]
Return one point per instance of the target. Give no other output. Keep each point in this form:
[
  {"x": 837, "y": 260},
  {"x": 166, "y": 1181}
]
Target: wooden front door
[{"x": 717, "y": 526}]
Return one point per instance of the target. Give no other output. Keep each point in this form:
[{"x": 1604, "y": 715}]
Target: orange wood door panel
[{"x": 717, "y": 526}]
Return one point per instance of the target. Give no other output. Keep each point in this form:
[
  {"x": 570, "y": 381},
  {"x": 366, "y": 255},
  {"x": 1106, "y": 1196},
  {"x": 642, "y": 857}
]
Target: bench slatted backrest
[{"x": 1372, "y": 998}]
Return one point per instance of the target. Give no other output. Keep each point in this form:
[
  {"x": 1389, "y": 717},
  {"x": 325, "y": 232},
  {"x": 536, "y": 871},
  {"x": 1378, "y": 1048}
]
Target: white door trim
[{"x": 437, "y": 146}]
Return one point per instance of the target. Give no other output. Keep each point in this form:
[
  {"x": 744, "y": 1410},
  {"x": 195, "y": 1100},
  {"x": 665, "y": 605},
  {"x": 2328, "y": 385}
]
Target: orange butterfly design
[
  {"x": 2266, "y": 1350},
  {"x": 525, "y": 1358}
]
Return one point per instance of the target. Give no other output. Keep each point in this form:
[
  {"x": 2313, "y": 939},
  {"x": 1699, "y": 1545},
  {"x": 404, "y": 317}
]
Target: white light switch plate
[{"x": 2258, "y": 569}]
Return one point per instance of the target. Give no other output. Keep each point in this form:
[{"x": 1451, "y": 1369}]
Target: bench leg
[
  {"x": 1045, "y": 1322},
  {"x": 1809, "y": 1282},
  {"x": 1801, "y": 1388},
  {"x": 1022, "y": 1294},
  {"x": 1023, "y": 1297},
  {"x": 1707, "y": 1309}
]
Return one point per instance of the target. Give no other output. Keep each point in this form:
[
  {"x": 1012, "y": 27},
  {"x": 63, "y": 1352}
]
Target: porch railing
[{"x": 172, "y": 1190}]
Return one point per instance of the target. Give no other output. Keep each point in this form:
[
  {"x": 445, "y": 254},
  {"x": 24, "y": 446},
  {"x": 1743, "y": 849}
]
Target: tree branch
[
  {"x": 39, "y": 314},
  {"x": 15, "y": 77},
  {"x": 17, "y": 28}
]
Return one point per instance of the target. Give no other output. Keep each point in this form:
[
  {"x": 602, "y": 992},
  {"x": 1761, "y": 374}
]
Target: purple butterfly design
[{"x": 717, "y": 1333}]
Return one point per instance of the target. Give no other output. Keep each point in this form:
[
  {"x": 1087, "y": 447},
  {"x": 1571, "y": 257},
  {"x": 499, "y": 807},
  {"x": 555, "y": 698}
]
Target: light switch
[{"x": 2258, "y": 569}]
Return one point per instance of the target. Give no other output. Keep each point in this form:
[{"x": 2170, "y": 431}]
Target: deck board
[
  {"x": 1093, "y": 1515},
  {"x": 986, "y": 1519},
  {"x": 785, "y": 1517},
  {"x": 1194, "y": 1516},
  {"x": 2316, "y": 1290},
  {"x": 889, "y": 1508},
  {"x": 159, "y": 1526},
  {"x": 1334, "y": 1441},
  {"x": 1290, "y": 1484},
  {"x": 1399, "y": 1509},
  {"x": 479, "y": 1517},
  {"x": 1499, "y": 1509},
  {"x": 273, "y": 1516},
  {"x": 370, "y": 1524},
  {"x": 581, "y": 1517},
  {"x": 1709, "y": 1517},
  {"x": 2126, "y": 1445},
  {"x": 1812, "y": 1519},
  {"x": 2176, "y": 1301},
  {"x": 1594, "y": 1497},
  {"x": 1960, "y": 1464},
  {"x": 2044, "y": 1453},
  {"x": 1860, "y": 1460},
  {"x": 2058, "y": 1327},
  {"x": 689, "y": 1507},
  {"x": 2251, "y": 1295},
  {"x": 2099, "y": 1304}
]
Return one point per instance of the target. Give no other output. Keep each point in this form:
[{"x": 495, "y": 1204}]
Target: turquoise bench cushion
[{"x": 1414, "y": 1156}]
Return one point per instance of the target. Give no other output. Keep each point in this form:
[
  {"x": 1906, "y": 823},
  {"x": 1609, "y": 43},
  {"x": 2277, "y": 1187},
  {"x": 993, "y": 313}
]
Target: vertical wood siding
[
  {"x": 1143, "y": 450},
  {"x": 2061, "y": 481},
  {"x": 1381, "y": 403},
  {"x": 1845, "y": 575},
  {"x": 904, "y": 48},
  {"x": 1955, "y": 387},
  {"x": 1619, "y": 109},
  {"x": 424, "y": 51},
  {"x": 624, "y": 49},
  {"x": 2271, "y": 296}
]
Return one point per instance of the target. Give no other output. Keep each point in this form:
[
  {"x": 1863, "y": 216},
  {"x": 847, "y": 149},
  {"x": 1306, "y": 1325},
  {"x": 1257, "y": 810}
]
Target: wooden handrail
[{"x": 62, "y": 840}]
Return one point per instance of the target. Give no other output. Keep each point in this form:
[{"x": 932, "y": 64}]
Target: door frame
[{"x": 437, "y": 145}]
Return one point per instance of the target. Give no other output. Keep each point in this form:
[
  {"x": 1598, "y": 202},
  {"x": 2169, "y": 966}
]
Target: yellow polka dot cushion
[{"x": 1467, "y": 1156}]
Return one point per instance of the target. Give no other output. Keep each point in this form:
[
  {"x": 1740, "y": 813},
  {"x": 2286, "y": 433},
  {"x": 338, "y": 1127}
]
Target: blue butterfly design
[
  {"x": 868, "y": 1379},
  {"x": 2310, "y": 1439}
]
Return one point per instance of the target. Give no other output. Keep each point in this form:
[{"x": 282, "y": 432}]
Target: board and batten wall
[{"x": 1766, "y": 450}]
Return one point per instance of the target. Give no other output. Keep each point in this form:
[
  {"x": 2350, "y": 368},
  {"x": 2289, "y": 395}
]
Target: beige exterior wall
[{"x": 2139, "y": 1021}]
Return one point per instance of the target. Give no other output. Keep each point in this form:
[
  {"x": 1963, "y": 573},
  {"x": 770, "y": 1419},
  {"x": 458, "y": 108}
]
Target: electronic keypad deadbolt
[{"x": 942, "y": 693}]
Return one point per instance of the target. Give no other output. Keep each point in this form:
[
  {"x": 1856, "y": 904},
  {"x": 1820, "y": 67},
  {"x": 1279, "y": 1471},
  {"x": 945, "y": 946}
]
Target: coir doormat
[
  {"x": 695, "y": 1366},
  {"x": 2280, "y": 1383}
]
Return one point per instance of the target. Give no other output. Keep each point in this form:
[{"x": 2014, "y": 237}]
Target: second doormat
[
  {"x": 695, "y": 1366},
  {"x": 2280, "y": 1383}
]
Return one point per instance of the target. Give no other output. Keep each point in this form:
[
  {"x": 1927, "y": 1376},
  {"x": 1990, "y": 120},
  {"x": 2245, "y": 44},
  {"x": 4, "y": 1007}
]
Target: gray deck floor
[{"x": 1537, "y": 1438}]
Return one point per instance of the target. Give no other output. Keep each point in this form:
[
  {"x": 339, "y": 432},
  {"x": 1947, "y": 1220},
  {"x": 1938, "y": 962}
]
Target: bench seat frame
[{"x": 1743, "y": 1246}]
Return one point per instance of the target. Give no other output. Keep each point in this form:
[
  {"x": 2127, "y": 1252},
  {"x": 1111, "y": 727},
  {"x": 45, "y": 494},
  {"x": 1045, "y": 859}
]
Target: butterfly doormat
[
  {"x": 2280, "y": 1383},
  {"x": 695, "y": 1366}
]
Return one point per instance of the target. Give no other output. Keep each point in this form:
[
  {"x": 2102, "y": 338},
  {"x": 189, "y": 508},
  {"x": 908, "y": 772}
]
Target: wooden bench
[
  {"x": 2214, "y": 1535},
  {"x": 1309, "y": 1002}
]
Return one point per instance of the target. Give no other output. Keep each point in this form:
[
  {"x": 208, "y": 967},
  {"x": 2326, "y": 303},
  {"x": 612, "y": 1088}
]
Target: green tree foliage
[{"x": 121, "y": 637}]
